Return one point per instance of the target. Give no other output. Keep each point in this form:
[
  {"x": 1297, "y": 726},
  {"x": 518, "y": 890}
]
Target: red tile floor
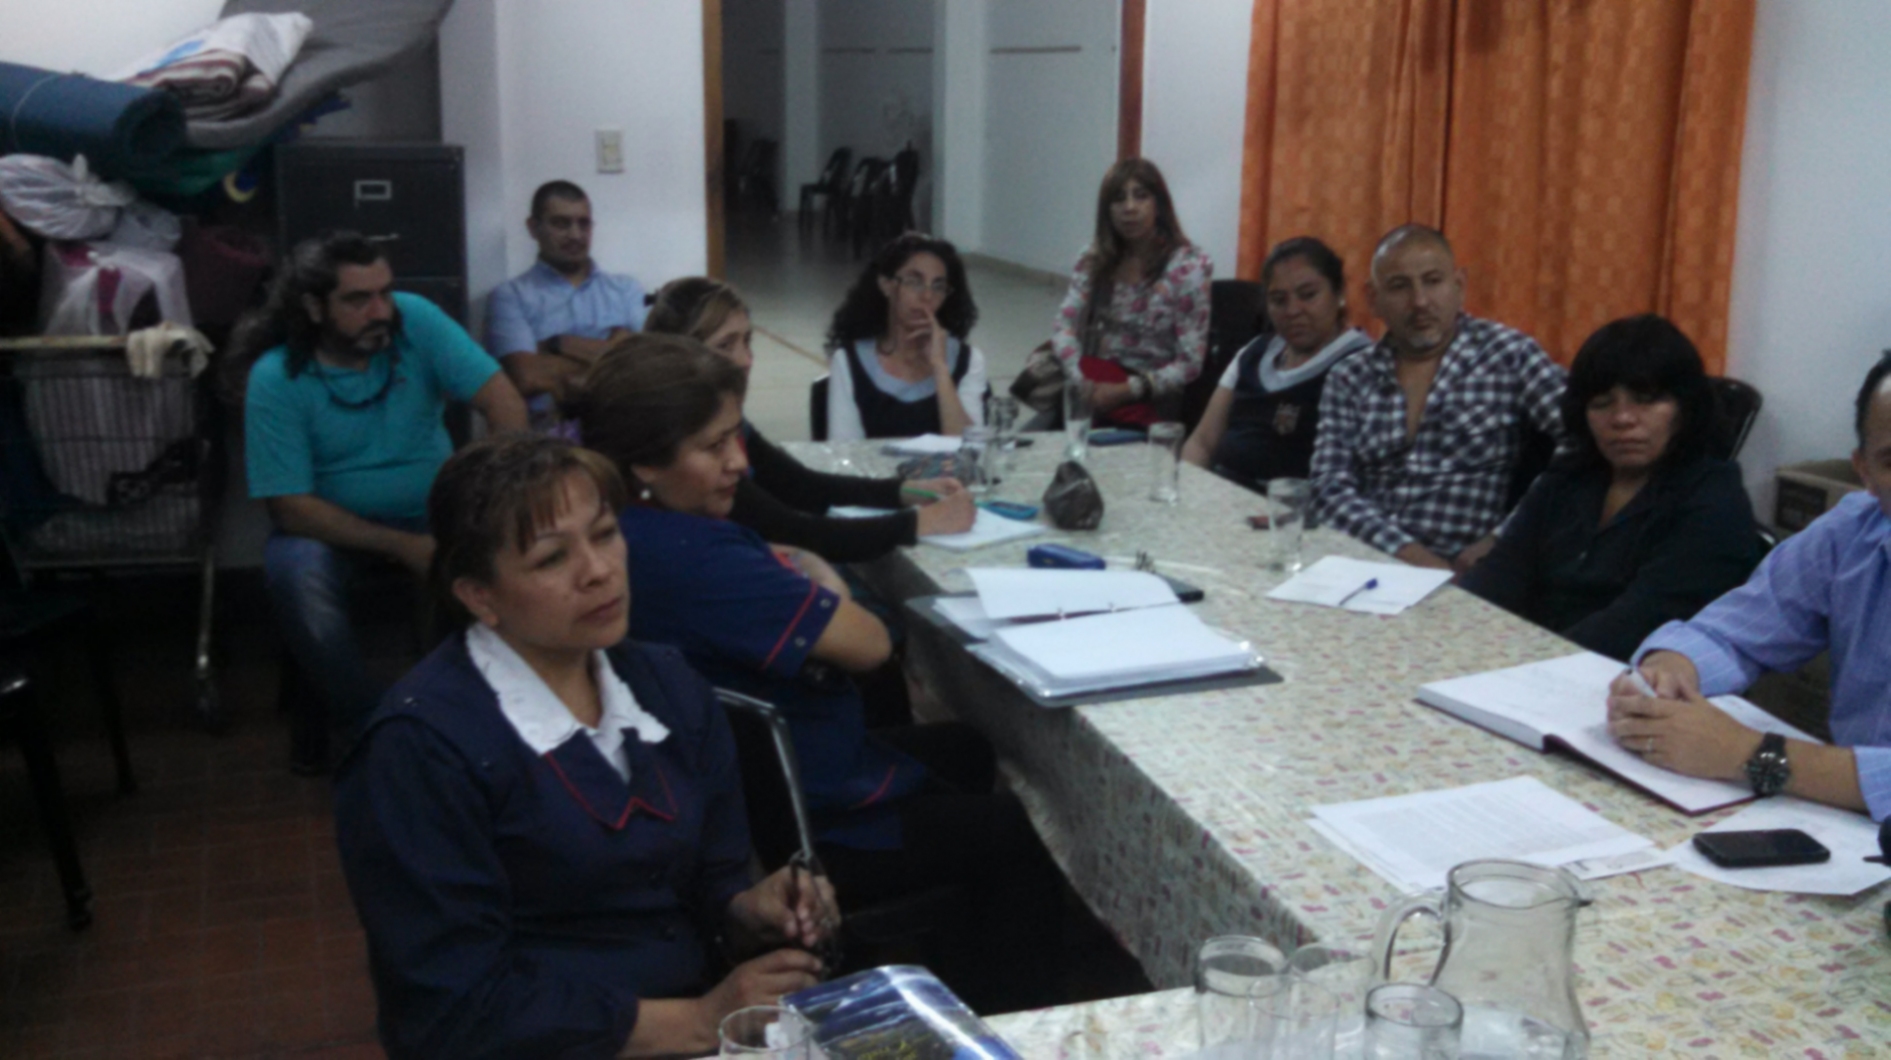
[{"x": 222, "y": 926}]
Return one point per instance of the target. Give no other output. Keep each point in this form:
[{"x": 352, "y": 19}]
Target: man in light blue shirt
[
  {"x": 1827, "y": 588},
  {"x": 343, "y": 436},
  {"x": 550, "y": 322}
]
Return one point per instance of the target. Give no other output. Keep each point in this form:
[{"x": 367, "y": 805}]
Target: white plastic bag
[
  {"x": 60, "y": 201},
  {"x": 92, "y": 288},
  {"x": 146, "y": 227}
]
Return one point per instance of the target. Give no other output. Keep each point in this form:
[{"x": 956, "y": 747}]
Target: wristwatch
[{"x": 1769, "y": 770}]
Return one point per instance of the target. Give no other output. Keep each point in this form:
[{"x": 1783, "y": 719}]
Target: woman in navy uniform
[
  {"x": 542, "y": 827},
  {"x": 895, "y": 811}
]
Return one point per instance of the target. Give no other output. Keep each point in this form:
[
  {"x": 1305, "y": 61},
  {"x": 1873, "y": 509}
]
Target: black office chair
[
  {"x": 829, "y": 189},
  {"x": 1237, "y": 312},
  {"x": 781, "y": 833},
  {"x": 1736, "y": 407},
  {"x": 817, "y": 409},
  {"x": 852, "y": 210}
]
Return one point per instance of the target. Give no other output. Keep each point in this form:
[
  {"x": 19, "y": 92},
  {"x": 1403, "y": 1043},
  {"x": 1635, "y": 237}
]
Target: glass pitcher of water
[{"x": 1509, "y": 940}]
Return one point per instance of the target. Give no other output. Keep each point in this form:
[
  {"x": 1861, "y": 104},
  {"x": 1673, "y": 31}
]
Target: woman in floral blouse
[{"x": 1135, "y": 320}]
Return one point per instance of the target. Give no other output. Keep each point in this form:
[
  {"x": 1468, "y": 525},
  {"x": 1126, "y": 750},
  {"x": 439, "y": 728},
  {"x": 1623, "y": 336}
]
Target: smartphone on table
[{"x": 1752, "y": 850}]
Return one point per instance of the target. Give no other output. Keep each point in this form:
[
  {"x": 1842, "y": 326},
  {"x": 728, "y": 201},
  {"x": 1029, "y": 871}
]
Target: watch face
[{"x": 1769, "y": 769}]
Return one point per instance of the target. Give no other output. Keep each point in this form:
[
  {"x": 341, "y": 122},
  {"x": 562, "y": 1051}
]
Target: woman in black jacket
[
  {"x": 1638, "y": 525},
  {"x": 783, "y": 499}
]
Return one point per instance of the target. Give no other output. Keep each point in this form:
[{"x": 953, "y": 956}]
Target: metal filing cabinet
[{"x": 409, "y": 198}]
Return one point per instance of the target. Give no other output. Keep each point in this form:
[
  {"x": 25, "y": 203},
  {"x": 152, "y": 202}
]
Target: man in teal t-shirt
[{"x": 343, "y": 432}]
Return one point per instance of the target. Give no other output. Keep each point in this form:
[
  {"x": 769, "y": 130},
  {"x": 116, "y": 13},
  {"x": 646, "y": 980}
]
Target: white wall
[
  {"x": 958, "y": 106},
  {"x": 1050, "y": 126},
  {"x": 95, "y": 37},
  {"x": 524, "y": 90},
  {"x": 801, "y": 97},
  {"x": 1810, "y": 304},
  {"x": 1195, "y": 71},
  {"x": 752, "y": 73}
]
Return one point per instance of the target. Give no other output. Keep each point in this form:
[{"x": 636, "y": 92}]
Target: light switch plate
[{"x": 610, "y": 149}]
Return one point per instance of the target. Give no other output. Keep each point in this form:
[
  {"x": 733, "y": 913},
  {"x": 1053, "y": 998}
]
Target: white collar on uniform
[{"x": 541, "y": 718}]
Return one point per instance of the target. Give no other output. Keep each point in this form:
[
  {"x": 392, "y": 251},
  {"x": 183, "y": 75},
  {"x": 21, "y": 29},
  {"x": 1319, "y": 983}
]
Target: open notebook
[
  {"x": 1113, "y": 650},
  {"x": 1564, "y": 702}
]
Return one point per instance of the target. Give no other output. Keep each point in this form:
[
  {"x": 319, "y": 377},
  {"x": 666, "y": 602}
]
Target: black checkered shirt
[{"x": 1445, "y": 488}]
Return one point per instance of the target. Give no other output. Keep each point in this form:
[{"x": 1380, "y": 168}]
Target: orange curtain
[{"x": 1582, "y": 155}]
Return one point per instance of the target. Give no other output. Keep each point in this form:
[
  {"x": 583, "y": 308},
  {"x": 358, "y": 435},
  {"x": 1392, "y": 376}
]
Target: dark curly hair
[
  {"x": 862, "y": 314},
  {"x": 313, "y": 268},
  {"x": 1648, "y": 355}
]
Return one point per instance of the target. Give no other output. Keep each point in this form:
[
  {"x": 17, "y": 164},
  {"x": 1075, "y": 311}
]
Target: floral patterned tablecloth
[{"x": 1182, "y": 817}]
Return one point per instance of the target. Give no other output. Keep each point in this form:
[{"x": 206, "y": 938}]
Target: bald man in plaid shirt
[{"x": 1419, "y": 435}]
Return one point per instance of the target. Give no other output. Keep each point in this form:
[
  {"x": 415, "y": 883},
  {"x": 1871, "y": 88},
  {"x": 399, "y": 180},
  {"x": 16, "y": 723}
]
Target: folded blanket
[{"x": 229, "y": 68}]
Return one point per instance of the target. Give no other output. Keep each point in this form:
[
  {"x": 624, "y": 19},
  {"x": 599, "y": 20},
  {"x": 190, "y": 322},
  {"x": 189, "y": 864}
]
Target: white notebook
[
  {"x": 1031, "y": 592},
  {"x": 1109, "y": 651},
  {"x": 988, "y": 528},
  {"x": 924, "y": 445},
  {"x": 1361, "y": 585},
  {"x": 1565, "y": 702}
]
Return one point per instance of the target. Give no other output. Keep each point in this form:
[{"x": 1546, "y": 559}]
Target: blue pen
[{"x": 1344, "y": 600}]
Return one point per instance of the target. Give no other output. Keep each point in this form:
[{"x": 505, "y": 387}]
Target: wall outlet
[{"x": 610, "y": 145}]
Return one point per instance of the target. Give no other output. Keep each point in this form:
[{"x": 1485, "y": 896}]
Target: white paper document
[
  {"x": 1359, "y": 585},
  {"x": 968, "y": 614},
  {"x": 1026, "y": 592},
  {"x": 1849, "y": 835},
  {"x": 924, "y": 445},
  {"x": 1414, "y": 840},
  {"x": 1565, "y": 701},
  {"x": 1117, "y": 650},
  {"x": 987, "y": 529}
]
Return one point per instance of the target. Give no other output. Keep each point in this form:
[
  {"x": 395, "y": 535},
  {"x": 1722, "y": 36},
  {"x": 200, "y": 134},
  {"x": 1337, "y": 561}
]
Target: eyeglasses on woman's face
[{"x": 915, "y": 284}]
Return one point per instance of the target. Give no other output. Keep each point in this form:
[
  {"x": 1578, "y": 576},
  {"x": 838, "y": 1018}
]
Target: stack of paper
[
  {"x": 1121, "y": 649},
  {"x": 1565, "y": 702},
  {"x": 1357, "y": 585},
  {"x": 1413, "y": 841},
  {"x": 1011, "y": 595},
  {"x": 924, "y": 445},
  {"x": 988, "y": 528},
  {"x": 1850, "y": 836}
]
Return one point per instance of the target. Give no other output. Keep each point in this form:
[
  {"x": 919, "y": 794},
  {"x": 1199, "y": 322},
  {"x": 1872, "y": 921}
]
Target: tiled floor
[{"x": 222, "y": 927}]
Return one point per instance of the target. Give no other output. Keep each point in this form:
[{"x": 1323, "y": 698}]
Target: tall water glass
[
  {"x": 1412, "y": 1021},
  {"x": 1347, "y": 975},
  {"x": 1076, "y": 418},
  {"x": 1001, "y": 415},
  {"x": 1165, "y": 461},
  {"x": 766, "y": 1032},
  {"x": 1288, "y": 500},
  {"x": 976, "y": 453},
  {"x": 1295, "y": 1020},
  {"x": 1229, "y": 971}
]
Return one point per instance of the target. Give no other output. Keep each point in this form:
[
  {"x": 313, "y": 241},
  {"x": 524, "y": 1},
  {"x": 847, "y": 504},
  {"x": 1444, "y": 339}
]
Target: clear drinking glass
[
  {"x": 1001, "y": 415},
  {"x": 1412, "y": 1021},
  {"x": 767, "y": 1031},
  {"x": 1165, "y": 461},
  {"x": 1294, "y": 1021},
  {"x": 976, "y": 453},
  {"x": 1288, "y": 500},
  {"x": 1076, "y": 419},
  {"x": 1229, "y": 970},
  {"x": 1347, "y": 975}
]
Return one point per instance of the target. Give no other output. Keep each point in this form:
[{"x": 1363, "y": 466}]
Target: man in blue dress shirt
[
  {"x": 343, "y": 435},
  {"x": 547, "y": 324},
  {"x": 1827, "y": 588}
]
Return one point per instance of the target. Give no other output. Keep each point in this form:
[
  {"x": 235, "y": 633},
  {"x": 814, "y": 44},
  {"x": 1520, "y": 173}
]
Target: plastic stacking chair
[
  {"x": 829, "y": 189},
  {"x": 1736, "y": 407},
  {"x": 905, "y": 920}
]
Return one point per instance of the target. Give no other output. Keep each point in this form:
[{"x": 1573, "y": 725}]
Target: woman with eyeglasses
[
  {"x": 781, "y": 498},
  {"x": 1134, "y": 322},
  {"x": 899, "y": 360}
]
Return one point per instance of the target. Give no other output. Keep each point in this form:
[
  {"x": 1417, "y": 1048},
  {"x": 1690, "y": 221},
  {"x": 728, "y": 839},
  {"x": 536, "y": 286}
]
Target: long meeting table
[{"x": 1182, "y": 817}]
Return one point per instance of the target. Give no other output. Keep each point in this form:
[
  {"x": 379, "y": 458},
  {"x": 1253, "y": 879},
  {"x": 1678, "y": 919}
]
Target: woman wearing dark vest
[
  {"x": 1639, "y": 525},
  {"x": 894, "y": 810},
  {"x": 899, "y": 361},
  {"x": 1260, "y": 423},
  {"x": 783, "y": 499},
  {"x": 542, "y": 826}
]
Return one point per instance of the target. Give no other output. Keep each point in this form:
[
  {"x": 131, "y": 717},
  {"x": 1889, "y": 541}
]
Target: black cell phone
[
  {"x": 1752, "y": 850},
  {"x": 1184, "y": 592}
]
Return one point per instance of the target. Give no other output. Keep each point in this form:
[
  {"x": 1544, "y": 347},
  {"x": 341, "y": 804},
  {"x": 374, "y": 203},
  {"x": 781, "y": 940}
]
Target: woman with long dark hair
[
  {"x": 781, "y": 498},
  {"x": 900, "y": 358},
  {"x": 1639, "y": 524},
  {"x": 1134, "y": 322},
  {"x": 1261, "y": 421}
]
